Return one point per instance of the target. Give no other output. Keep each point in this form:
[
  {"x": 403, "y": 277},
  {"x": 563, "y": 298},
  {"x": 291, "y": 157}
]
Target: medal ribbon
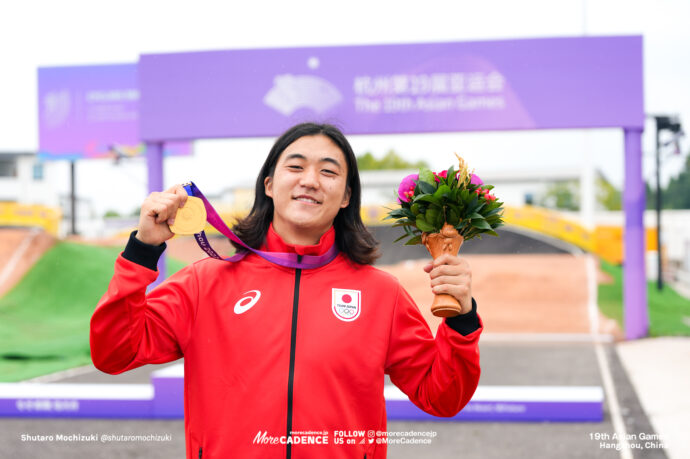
[{"x": 289, "y": 260}]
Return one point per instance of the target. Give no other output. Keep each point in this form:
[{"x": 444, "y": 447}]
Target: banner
[
  {"x": 91, "y": 112},
  {"x": 585, "y": 82}
]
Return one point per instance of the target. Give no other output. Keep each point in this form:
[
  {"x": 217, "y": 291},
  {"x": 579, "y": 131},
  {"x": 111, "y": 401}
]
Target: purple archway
[{"x": 591, "y": 82}]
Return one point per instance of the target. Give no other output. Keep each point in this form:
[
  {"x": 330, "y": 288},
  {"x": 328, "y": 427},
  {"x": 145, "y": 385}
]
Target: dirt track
[
  {"x": 517, "y": 293},
  {"x": 11, "y": 241}
]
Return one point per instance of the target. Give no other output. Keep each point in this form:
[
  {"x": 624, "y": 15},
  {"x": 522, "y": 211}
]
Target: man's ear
[
  {"x": 268, "y": 186},
  {"x": 346, "y": 198}
]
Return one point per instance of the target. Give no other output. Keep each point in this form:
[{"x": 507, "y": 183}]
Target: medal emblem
[{"x": 191, "y": 218}]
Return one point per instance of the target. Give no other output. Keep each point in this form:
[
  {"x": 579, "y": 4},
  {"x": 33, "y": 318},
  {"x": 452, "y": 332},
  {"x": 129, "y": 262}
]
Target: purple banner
[
  {"x": 494, "y": 85},
  {"x": 164, "y": 399},
  {"x": 92, "y": 112},
  {"x": 75, "y": 408},
  {"x": 529, "y": 411}
]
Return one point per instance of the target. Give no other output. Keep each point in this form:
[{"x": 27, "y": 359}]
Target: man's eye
[
  {"x": 328, "y": 171},
  {"x": 294, "y": 167}
]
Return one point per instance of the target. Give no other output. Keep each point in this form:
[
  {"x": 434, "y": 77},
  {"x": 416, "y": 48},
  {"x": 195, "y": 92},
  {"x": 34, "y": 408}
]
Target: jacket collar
[{"x": 274, "y": 243}]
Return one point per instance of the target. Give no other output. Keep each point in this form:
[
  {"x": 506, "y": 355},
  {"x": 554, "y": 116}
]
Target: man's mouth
[{"x": 307, "y": 199}]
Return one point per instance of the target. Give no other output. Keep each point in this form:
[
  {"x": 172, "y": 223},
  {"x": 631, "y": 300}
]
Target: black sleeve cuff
[
  {"x": 465, "y": 323},
  {"x": 143, "y": 254}
]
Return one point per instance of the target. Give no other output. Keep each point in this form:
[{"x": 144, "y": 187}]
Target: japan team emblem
[{"x": 347, "y": 304}]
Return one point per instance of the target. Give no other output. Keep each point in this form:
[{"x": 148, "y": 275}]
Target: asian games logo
[
  {"x": 56, "y": 107},
  {"x": 293, "y": 92},
  {"x": 347, "y": 304}
]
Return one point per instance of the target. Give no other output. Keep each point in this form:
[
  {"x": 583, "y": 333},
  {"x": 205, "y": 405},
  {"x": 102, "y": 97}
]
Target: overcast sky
[{"x": 70, "y": 32}]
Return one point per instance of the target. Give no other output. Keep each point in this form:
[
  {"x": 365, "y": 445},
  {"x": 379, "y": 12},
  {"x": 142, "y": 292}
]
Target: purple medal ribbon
[{"x": 289, "y": 260}]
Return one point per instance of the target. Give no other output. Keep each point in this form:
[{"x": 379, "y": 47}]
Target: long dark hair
[{"x": 351, "y": 236}]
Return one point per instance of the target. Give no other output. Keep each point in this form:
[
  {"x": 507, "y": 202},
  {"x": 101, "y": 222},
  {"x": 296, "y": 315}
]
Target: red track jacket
[{"x": 270, "y": 350}]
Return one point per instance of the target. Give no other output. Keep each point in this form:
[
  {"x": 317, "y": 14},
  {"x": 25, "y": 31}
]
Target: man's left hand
[{"x": 452, "y": 275}]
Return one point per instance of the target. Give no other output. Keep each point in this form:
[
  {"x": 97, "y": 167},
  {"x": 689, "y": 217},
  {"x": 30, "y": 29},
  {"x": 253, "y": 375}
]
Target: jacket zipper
[
  {"x": 293, "y": 340},
  {"x": 201, "y": 451}
]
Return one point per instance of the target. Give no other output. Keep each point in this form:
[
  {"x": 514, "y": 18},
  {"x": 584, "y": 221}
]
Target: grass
[
  {"x": 669, "y": 312},
  {"x": 44, "y": 319}
]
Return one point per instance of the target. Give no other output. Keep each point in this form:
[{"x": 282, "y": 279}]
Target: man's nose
[{"x": 310, "y": 178}]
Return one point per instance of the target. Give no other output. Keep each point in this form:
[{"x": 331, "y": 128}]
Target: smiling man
[
  {"x": 308, "y": 189},
  {"x": 278, "y": 358}
]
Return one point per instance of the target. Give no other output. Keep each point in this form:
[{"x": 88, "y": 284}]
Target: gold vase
[{"x": 447, "y": 241}]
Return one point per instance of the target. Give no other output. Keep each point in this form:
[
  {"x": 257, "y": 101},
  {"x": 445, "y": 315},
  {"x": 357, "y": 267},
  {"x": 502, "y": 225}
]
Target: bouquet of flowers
[{"x": 442, "y": 210}]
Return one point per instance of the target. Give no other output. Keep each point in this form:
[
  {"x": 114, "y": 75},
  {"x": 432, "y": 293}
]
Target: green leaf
[
  {"x": 422, "y": 225},
  {"x": 476, "y": 215},
  {"x": 453, "y": 217},
  {"x": 455, "y": 207},
  {"x": 431, "y": 215},
  {"x": 438, "y": 221},
  {"x": 452, "y": 180},
  {"x": 401, "y": 237},
  {"x": 425, "y": 175},
  {"x": 426, "y": 198},
  {"x": 451, "y": 173},
  {"x": 426, "y": 187},
  {"x": 481, "y": 224},
  {"x": 414, "y": 240},
  {"x": 415, "y": 209},
  {"x": 443, "y": 189},
  {"x": 398, "y": 213}
]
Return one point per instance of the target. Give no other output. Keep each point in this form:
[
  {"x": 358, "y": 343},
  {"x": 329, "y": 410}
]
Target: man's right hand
[{"x": 158, "y": 212}]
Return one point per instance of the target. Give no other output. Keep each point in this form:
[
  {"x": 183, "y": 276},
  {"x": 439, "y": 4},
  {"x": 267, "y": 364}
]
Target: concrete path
[{"x": 659, "y": 369}]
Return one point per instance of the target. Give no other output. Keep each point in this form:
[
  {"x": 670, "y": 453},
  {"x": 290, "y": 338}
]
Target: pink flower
[
  {"x": 475, "y": 180},
  {"x": 406, "y": 188}
]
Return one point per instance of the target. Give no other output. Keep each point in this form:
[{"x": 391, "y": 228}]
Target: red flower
[{"x": 443, "y": 174}]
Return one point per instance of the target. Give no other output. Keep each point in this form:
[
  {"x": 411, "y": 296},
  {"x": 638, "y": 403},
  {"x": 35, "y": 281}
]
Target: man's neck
[{"x": 298, "y": 237}]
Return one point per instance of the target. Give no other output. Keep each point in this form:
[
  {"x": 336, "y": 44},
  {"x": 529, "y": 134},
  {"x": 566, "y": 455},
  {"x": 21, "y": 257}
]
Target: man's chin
[{"x": 310, "y": 226}]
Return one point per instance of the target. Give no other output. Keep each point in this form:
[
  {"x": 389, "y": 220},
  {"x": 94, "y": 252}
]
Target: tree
[
  {"x": 566, "y": 195},
  {"x": 650, "y": 196},
  {"x": 608, "y": 196},
  {"x": 391, "y": 160},
  {"x": 562, "y": 195},
  {"x": 677, "y": 193}
]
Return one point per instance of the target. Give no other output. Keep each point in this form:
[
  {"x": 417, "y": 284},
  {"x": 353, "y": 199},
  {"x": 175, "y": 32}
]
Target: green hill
[{"x": 44, "y": 319}]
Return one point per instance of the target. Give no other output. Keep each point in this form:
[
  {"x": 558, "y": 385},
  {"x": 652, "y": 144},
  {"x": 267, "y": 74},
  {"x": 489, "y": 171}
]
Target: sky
[{"x": 71, "y": 32}]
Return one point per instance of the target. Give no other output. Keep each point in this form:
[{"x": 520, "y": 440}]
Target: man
[{"x": 271, "y": 351}]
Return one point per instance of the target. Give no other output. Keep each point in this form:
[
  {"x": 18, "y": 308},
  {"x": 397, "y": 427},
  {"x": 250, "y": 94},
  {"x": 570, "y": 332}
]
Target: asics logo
[{"x": 245, "y": 303}]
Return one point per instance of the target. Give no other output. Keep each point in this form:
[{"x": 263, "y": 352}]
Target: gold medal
[{"x": 191, "y": 218}]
